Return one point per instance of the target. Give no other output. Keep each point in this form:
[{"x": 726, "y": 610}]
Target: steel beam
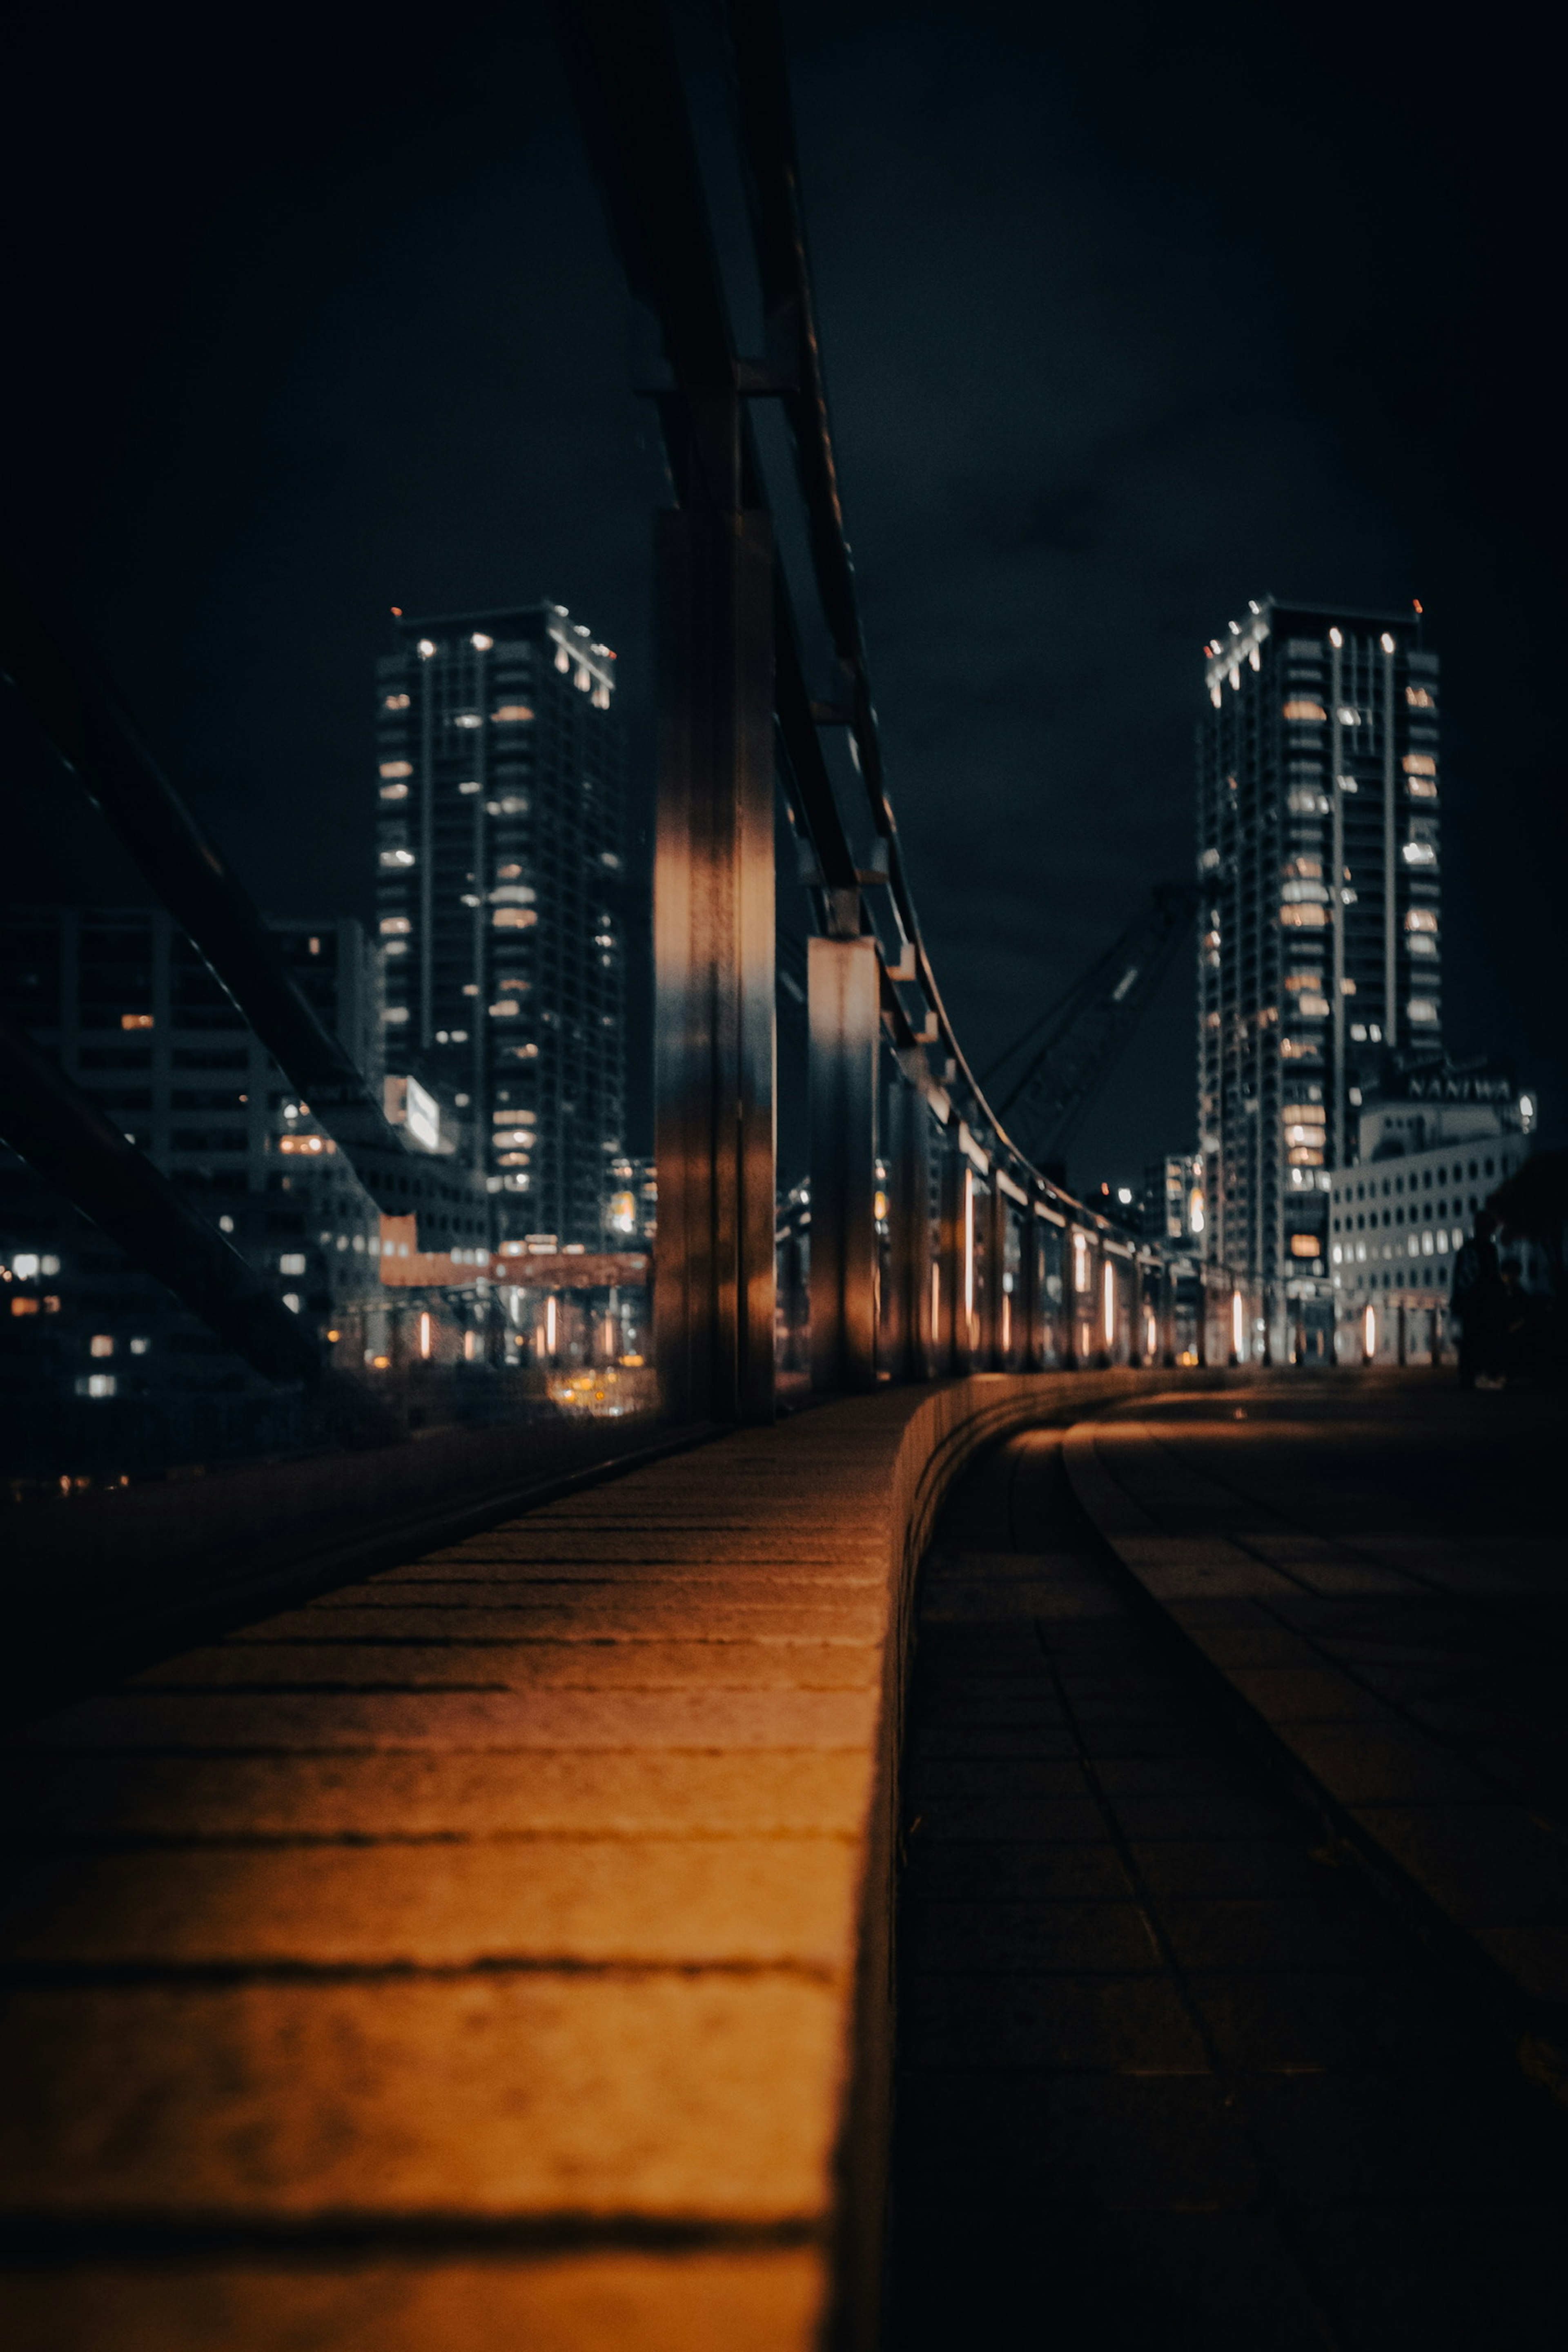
[
  {"x": 714, "y": 959},
  {"x": 908, "y": 1153},
  {"x": 62, "y": 1134},
  {"x": 78, "y": 720},
  {"x": 844, "y": 1005}
]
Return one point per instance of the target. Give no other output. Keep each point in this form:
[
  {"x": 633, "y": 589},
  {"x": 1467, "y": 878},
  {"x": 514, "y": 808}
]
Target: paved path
[
  {"x": 1172, "y": 2075},
  {"x": 1377, "y": 1573},
  {"x": 491, "y": 1954}
]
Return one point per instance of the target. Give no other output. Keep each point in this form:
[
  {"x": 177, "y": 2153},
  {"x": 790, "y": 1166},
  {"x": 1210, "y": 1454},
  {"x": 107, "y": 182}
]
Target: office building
[
  {"x": 1432, "y": 1144},
  {"x": 1171, "y": 1207},
  {"x": 500, "y": 881},
  {"x": 1319, "y": 937},
  {"x": 120, "y": 999}
]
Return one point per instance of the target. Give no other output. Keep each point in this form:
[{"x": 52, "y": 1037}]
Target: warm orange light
[
  {"x": 425, "y": 1335},
  {"x": 136, "y": 1021}
]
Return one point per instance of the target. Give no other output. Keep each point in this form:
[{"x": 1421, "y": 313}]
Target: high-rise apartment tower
[
  {"x": 1318, "y": 934},
  {"x": 499, "y": 883}
]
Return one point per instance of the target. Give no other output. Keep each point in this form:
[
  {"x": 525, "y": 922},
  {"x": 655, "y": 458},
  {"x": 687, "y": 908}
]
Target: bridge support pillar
[
  {"x": 714, "y": 963},
  {"x": 845, "y": 1012},
  {"x": 910, "y": 1260}
]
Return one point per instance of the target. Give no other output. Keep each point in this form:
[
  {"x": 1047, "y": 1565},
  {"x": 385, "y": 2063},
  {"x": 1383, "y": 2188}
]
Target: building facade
[
  {"x": 1432, "y": 1144},
  {"x": 499, "y": 883},
  {"x": 122, "y": 1001},
  {"x": 1318, "y": 935}
]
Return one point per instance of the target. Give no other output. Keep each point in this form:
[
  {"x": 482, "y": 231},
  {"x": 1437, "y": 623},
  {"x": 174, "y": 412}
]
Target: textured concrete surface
[
  {"x": 1377, "y": 1573},
  {"x": 495, "y": 1951},
  {"x": 1174, "y": 2077}
]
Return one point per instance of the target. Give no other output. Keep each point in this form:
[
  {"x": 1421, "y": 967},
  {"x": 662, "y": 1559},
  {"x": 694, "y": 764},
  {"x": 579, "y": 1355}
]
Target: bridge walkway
[{"x": 1173, "y": 2070}]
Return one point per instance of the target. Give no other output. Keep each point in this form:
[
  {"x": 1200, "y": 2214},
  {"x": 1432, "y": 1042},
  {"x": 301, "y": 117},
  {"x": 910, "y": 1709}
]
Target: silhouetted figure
[{"x": 1480, "y": 1302}]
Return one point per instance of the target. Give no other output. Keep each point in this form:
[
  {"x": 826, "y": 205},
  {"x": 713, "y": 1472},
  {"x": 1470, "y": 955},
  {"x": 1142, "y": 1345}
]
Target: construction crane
[{"x": 1048, "y": 1076}]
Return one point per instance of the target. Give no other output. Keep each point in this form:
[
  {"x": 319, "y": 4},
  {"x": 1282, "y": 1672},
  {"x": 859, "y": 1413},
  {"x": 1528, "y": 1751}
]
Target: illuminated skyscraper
[
  {"x": 499, "y": 870},
  {"x": 1319, "y": 939}
]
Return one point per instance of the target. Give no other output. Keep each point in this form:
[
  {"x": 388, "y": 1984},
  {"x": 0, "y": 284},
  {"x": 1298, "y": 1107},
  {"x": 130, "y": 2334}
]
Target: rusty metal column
[
  {"x": 1026, "y": 1306},
  {"x": 845, "y": 1012},
  {"x": 957, "y": 1260},
  {"x": 909, "y": 1186},
  {"x": 990, "y": 1317},
  {"x": 713, "y": 968}
]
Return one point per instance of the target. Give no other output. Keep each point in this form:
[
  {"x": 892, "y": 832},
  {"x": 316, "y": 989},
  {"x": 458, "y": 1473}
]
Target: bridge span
[{"x": 495, "y": 1879}]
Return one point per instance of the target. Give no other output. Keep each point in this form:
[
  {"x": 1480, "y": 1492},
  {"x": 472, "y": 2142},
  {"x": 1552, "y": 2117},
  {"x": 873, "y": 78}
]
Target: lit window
[
  {"x": 471, "y": 786},
  {"x": 1421, "y": 943},
  {"x": 1419, "y": 852},
  {"x": 1422, "y": 788},
  {"x": 427, "y": 647},
  {"x": 507, "y": 1010},
  {"x": 397, "y": 768},
  {"x": 291, "y": 1262},
  {"x": 467, "y": 718},
  {"x": 1336, "y": 639},
  {"x": 395, "y": 702},
  {"x": 510, "y": 714},
  {"x": 1418, "y": 698},
  {"x": 1347, "y": 715},
  {"x": 481, "y": 643},
  {"x": 291, "y": 1300},
  {"x": 100, "y": 1344},
  {"x": 513, "y": 918},
  {"x": 398, "y": 857},
  {"x": 1418, "y": 764},
  {"x": 394, "y": 926},
  {"x": 1422, "y": 1011},
  {"x": 1301, "y": 712},
  {"x": 140, "y": 1347},
  {"x": 102, "y": 1384},
  {"x": 24, "y": 1306},
  {"x": 1305, "y": 1245},
  {"x": 1386, "y": 642},
  {"x": 394, "y": 791},
  {"x": 1304, "y": 917},
  {"x": 136, "y": 1021}
]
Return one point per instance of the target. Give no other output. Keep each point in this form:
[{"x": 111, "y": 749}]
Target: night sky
[{"x": 1126, "y": 322}]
